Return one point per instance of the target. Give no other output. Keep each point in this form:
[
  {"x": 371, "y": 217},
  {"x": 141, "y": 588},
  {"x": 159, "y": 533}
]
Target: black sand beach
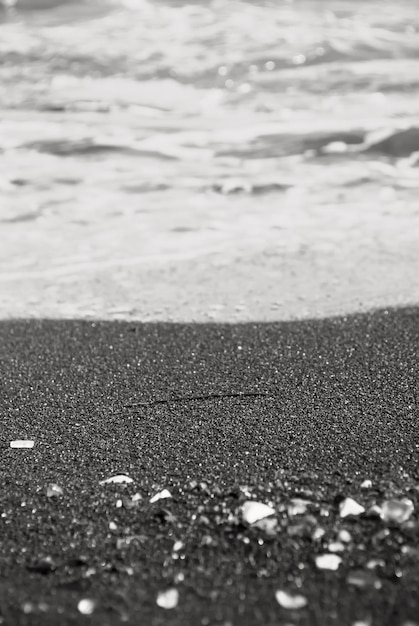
[{"x": 159, "y": 403}]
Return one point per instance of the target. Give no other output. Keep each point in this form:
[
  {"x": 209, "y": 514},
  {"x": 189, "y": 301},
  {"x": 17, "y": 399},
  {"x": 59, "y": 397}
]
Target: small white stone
[
  {"x": 254, "y": 511},
  {"x": 162, "y": 495},
  {"x": 318, "y": 533},
  {"x": 374, "y": 563},
  {"x": 350, "y": 508},
  {"x": 178, "y": 545},
  {"x": 290, "y": 600},
  {"x": 397, "y": 511},
  {"x": 344, "y": 536},
  {"x": 113, "y": 526},
  {"x": 366, "y": 484},
  {"x": 53, "y": 491},
  {"x": 86, "y": 606},
  {"x": 28, "y": 607},
  {"x": 22, "y": 443},
  {"x": 168, "y": 599},
  {"x": 119, "y": 478},
  {"x": 335, "y": 546},
  {"x": 328, "y": 561}
]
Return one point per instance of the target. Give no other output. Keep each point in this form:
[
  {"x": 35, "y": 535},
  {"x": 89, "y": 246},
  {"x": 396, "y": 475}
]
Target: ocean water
[{"x": 133, "y": 131}]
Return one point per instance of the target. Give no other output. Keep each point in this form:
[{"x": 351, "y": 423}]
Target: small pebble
[
  {"x": 350, "y": 508},
  {"x": 86, "y": 606},
  {"x": 28, "y": 607},
  {"x": 168, "y": 599},
  {"x": 254, "y": 511},
  {"x": 397, "y": 511},
  {"x": 336, "y": 546},
  {"x": 53, "y": 491},
  {"x": 374, "y": 563},
  {"x": 345, "y": 536},
  {"x": 290, "y": 601},
  {"x": 22, "y": 443},
  {"x": 162, "y": 495},
  {"x": 120, "y": 478},
  {"x": 328, "y": 561},
  {"x": 318, "y": 533},
  {"x": 366, "y": 484}
]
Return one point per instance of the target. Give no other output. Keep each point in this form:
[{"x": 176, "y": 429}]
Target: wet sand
[
  {"x": 233, "y": 260},
  {"x": 338, "y": 407}
]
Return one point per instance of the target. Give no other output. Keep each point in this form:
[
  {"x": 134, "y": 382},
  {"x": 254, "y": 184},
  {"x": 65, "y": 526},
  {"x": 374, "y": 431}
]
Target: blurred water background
[{"x": 133, "y": 131}]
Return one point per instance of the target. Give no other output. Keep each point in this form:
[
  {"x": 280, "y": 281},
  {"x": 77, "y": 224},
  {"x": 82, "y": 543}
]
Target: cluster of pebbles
[{"x": 202, "y": 538}]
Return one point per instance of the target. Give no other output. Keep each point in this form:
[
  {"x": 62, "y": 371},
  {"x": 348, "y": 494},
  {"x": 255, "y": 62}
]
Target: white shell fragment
[
  {"x": 290, "y": 600},
  {"x": 22, "y": 443},
  {"x": 397, "y": 511},
  {"x": 54, "y": 490},
  {"x": 120, "y": 478},
  {"x": 168, "y": 599},
  {"x": 345, "y": 536},
  {"x": 350, "y": 508},
  {"x": 328, "y": 561},
  {"x": 86, "y": 606},
  {"x": 366, "y": 484},
  {"x": 336, "y": 546},
  {"x": 162, "y": 495},
  {"x": 254, "y": 511},
  {"x": 318, "y": 533}
]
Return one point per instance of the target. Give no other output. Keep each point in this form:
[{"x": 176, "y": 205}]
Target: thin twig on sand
[{"x": 209, "y": 396}]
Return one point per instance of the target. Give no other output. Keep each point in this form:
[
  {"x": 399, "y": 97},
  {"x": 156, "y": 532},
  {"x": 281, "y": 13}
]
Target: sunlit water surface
[{"x": 133, "y": 130}]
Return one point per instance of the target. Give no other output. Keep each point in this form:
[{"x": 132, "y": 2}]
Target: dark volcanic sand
[{"x": 341, "y": 407}]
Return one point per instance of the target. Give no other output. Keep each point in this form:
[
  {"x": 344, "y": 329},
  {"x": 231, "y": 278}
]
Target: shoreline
[{"x": 234, "y": 285}]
